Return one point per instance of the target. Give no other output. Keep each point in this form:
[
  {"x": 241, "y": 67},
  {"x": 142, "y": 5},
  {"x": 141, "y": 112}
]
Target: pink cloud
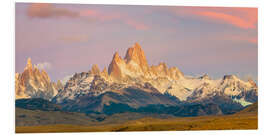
[
  {"x": 244, "y": 18},
  {"x": 227, "y": 18},
  {"x": 89, "y": 13},
  {"x": 46, "y": 10}
]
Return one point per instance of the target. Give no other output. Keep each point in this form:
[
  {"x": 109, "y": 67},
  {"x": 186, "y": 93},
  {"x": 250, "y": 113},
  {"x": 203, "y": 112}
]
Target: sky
[{"x": 64, "y": 39}]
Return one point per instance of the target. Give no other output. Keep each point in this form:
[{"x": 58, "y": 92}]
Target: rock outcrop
[{"x": 33, "y": 83}]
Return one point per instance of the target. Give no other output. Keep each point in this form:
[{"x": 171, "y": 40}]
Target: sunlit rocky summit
[
  {"x": 33, "y": 83},
  {"x": 130, "y": 84},
  {"x": 135, "y": 65}
]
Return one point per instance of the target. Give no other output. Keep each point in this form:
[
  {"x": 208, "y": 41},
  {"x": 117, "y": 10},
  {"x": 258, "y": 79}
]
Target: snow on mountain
[
  {"x": 134, "y": 70},
  {"x": 242, "y": 101},
  {"x": 33, "y": 83}
]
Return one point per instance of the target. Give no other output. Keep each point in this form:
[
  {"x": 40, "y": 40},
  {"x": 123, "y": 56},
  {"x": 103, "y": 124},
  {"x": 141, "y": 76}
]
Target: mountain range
[{"x": 131, "y": 85}]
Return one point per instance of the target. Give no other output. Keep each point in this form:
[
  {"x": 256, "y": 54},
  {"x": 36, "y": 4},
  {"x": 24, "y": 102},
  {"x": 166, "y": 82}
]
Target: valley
[{"x": 228, "y": 122}]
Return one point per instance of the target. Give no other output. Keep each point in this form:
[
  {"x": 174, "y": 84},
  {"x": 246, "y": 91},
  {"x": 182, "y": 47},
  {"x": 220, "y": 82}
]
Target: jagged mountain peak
[
  {"x": 163, "y": 65},
  {"x": 135, "y": 65},
  {"x": 134, "y": 51},
  {"x": 116, "y": 57},
  {"x": 59, "y": 84},
  {"x": 237, "y": 81},
  {"x": 114, "y": 69},
  {"x": 95, "y": 69},
  {"x": 136, "y": 54},
  {"x": 137, "y": 45},
  {"x": 105, "y": 73},
  {"x": 136, "y": 48},
  {"x": 45, "y": 75},
  {"x": 33, "y": 83},
  {"x": 252, "y": 82},
  {"x": 160, "y": 70},
  {"x": 43, "y": 72},
  {"x": 175, "y": 73},
  {"x": 35, "y": 67},
  {"x": 104, "y": 70},
  {"x": 29, "y": 64}
]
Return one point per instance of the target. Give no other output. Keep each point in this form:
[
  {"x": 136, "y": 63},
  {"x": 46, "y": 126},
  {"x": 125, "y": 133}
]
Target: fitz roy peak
[
  {"x": 131, "y": 81},
  {"x": 135, "y": 65}
]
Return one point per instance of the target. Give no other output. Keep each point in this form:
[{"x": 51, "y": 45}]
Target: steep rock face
[
  {"x": 105, "y": 73},
  {"x": 59, "y": 85},
  {"x": 135, "y": 57},
  {"x": 34, "y": 84},
  {"x": 162, "y": 70},
  {"x": 116, "y": 67},
  {"x": 175, "y": 73},
  {"x": 95, "y": 70},
  {"x": 135, "y": 65}
]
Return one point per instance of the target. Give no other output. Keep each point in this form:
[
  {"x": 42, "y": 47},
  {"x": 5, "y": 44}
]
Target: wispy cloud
[
  {"x": 227, "y": 18},
  {"x": 44, "y": 65},
  {"x": 45, "y": 10},
  {"x": 244, "y": 18}
]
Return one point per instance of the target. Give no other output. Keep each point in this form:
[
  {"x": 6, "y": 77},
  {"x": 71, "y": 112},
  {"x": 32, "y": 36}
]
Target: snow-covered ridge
[{"x": 134, "y": 70}]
